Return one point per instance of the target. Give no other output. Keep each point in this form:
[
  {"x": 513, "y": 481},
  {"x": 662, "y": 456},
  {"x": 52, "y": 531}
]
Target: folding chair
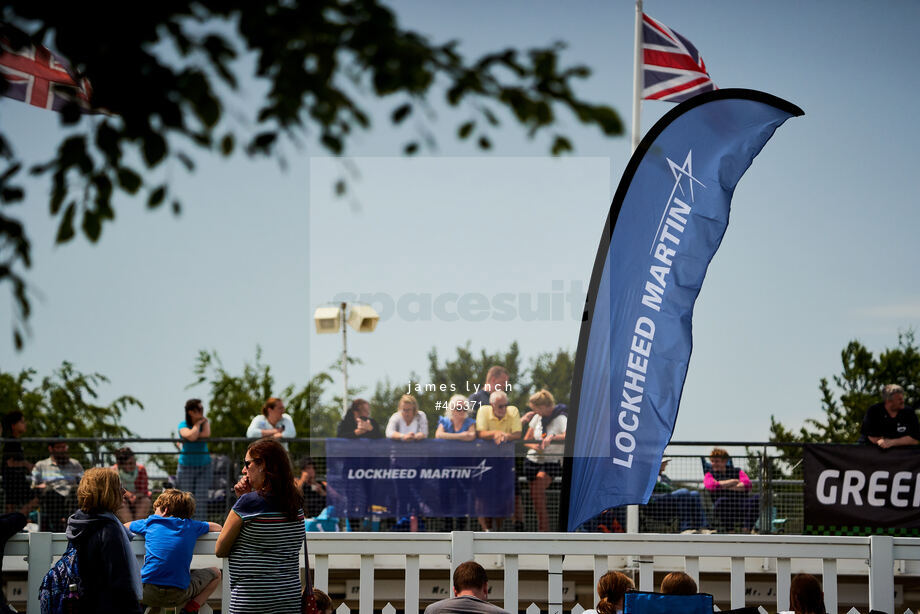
[{"x": 641, "y": 602}]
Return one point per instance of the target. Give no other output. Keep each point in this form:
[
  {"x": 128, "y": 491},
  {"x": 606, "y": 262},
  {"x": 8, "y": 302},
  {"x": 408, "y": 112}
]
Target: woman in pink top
[{"x": 733, "y": 504}]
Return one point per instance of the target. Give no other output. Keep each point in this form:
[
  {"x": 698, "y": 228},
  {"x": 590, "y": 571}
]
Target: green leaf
[
  {"x": 186, "y": 161},
  {"x": 156, "y": 197},
  {"x": 227, "y": 144},
  {"x": 332, "y": 143},
  {"x": 92, "y": 225},
  {"x": 11, "y": 195},
  {"x": 8, "y": 173},
  {"x": 154, "y": 148},
  {"x": 561, "y": 145},
  {"x": 107, "y": 142},
  {"x": 58, "y": 193},
  {"x": 129, "y": 181},
  {"x": 410, "y": 148},
  {"x": 262, "y": 143},
  {"x": 401, "y": 113},
  {"x": 65, "y": 229},
  {"x": 466, "y": 129}
]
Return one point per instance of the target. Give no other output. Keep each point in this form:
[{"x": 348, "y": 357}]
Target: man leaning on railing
[{"x": 55, "y": 479}]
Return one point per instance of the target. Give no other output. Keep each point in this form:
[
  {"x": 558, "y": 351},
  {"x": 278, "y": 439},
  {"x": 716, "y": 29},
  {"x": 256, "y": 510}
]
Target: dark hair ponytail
[
  {"x": 192, "y": 405},
  {"x": 611, "y": 588},
  {"x": 279, "y": 475}
]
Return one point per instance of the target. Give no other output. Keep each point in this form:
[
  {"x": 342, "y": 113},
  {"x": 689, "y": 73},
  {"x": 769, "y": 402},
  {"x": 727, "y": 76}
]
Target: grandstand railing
[
  {"x": 555, "y": 554},
  {"x": 781, "y": 508}
]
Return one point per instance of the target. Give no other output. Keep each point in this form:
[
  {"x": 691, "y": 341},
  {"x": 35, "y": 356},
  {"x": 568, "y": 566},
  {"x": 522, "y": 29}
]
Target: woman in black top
[
  {"x": 15, "y": 469},
  {"x": 358, "y": 422}
]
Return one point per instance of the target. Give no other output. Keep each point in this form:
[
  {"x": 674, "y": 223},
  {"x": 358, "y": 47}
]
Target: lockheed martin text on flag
[
  {"x": 39, "y": 77},
  {"x": 672, "y": 68},
  {"x": 666, "y": 222}
]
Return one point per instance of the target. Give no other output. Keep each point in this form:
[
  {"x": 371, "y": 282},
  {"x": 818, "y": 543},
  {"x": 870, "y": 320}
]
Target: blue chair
[
  {"x": 325, "y": 521},
  {"x": 641, "y": 602}
]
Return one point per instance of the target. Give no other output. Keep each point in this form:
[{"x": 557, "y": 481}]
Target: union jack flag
[
  {"x": 38, "y": 76},
  {"x": 673, "y": 69}
]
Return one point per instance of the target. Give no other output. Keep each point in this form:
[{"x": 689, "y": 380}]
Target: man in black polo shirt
[{"x": 890, "y": 423}]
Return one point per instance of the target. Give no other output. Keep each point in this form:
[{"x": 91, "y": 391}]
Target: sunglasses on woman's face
[{"x": 246, "y": 463}]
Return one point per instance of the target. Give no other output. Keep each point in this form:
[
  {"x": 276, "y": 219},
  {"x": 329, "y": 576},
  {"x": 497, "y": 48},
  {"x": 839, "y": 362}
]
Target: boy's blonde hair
[{"x": 176, "y": 502}]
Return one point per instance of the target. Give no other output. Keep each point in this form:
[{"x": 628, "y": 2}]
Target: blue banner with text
[
  {"x": 665, "y": 224},
  {"x": 434, "y": 478}
]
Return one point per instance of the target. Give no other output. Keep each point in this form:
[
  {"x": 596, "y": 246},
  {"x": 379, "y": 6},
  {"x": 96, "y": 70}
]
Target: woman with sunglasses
[{"x": 263, "y": 534}]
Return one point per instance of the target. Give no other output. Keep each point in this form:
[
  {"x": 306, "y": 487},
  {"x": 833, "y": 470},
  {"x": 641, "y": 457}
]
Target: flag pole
[
  {"x": 637, "y": 80},
  {"x": 632, "y": 511}
]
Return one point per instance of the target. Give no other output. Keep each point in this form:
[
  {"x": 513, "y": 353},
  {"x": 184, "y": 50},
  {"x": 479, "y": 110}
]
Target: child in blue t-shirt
[{"x": 171, "y": 535}]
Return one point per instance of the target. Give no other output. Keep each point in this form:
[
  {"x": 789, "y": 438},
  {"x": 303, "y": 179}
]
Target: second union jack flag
[
  {"x": 39, "y": 77},
  {"x": 673, "y": 70}
]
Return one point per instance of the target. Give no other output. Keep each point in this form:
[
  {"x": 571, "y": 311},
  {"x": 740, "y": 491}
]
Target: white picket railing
[{"x": 874, "y": 556}]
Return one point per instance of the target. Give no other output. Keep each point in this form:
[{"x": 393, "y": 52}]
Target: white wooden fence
[{"x": 878, "y": 557}]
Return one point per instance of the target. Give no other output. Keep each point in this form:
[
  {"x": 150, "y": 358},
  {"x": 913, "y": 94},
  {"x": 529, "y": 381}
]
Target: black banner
[{"x": 862, "y": 490}]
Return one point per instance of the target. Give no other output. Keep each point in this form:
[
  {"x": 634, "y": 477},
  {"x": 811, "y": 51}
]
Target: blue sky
[{"x": 820, "y": 249}]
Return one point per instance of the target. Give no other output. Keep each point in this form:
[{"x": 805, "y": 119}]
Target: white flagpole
[
  {"x": 637, "y": 80},
  {"x": 632, "y": 511}
]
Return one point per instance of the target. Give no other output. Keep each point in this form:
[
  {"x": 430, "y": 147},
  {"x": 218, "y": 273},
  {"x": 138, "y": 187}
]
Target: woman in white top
[
  {"x": 408, "y": 423},
  {"x": 272, "y": 423},
  {"x": 544, "y": 460}
]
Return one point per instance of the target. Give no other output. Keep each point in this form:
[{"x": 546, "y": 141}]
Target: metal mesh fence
[{"x": 680, "y": 502}]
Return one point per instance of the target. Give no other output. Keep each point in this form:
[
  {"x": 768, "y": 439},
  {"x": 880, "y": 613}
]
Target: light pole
[{"x": 362, "y": 318}]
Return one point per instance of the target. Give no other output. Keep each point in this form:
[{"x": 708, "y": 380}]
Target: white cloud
[{"x": 908, "y": 309}]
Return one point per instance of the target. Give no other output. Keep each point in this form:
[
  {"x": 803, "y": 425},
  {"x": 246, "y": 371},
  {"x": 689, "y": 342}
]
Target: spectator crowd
[
  {"x": 100, "y": 509},
  {"x": 726, "y": 502}
]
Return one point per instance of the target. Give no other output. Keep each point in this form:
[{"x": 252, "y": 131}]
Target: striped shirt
[{"x": 265, "y": 558}]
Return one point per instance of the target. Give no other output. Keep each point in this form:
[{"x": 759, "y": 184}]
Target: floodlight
[
  {"x": 363, "y": 318},
  {"x": 327, "y": 319}
]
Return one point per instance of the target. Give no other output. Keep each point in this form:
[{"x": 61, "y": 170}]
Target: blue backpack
[{"x": 56, "y": 595}]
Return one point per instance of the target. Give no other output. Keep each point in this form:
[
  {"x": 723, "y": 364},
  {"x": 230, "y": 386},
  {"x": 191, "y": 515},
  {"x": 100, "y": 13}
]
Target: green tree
[
  {"x": 166, "y": 75},
  {"x": 858, "y": 386},
  {"x": 234, "y": 399},
  {"x": 66, "y": 402},
  {"x": 553, "y": 371}
]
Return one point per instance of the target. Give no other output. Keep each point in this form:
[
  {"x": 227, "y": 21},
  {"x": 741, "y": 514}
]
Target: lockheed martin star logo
[
  {"x": 477, "y": 470},
  {"x": 679, "y": 172}
]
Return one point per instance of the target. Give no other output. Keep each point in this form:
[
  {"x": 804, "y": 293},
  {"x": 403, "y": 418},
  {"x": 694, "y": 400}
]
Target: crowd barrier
[
  {"x": 882, "y": 568},
  {"x": 780, "y": 499}
]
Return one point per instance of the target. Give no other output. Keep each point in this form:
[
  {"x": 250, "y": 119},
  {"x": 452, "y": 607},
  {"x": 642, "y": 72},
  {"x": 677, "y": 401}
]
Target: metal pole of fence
[
  {"x": 770, "y": 494},
  {"x": 228, "y": 503},
  {"x": 766, "y": 496}
]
